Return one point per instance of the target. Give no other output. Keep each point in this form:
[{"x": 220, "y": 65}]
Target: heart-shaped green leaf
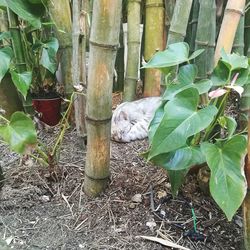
[
  {"x": 5, "y": 35},
  {"x": 175, "y": 54},
  {"x": 20, "y": 133},
  {"x": 187, "y": 74},
  {"x": 48, "y": 58},
  {"x": 22, "y": 81},
  {"x": 180, "y": 121},
  {"x": 227, "y": 181},
  {"x": 228, "y": 123},
  {"x": 176, "y": 179},
  {"x": 6, "y": 55}
]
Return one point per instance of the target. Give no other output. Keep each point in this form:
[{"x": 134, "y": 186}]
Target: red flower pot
[{"x": 49, "y": 110}]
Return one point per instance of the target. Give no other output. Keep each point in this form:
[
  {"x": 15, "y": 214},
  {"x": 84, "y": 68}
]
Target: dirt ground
[{"x": 36, "y": 213}]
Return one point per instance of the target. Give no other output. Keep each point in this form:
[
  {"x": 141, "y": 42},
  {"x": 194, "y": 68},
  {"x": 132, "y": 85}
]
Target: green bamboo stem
[
  {"x": 169, "y": 10},
  {"x": 19, "y": 54},
  {"x": 131, "y": 75},
  {"x": 247, "y": 32},
  {"x": 154, "y": 41},
  {"x": 119, "y": 63},
  {"x": 104, "y": 40},
  {"x": 79, "y": 34},
  {"x": 179, "y": 22},
  {"x": 61, "y": 15},
  {"x": 192, "y": 25},
  {"x": 238, "y": 45}
]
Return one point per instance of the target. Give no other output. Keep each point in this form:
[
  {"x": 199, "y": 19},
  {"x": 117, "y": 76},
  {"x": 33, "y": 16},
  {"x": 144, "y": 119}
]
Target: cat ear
[{"x": 124, "y": 115}]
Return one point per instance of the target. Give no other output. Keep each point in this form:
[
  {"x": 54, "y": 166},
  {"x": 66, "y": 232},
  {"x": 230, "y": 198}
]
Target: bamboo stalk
[
  {"x": 192, "y": 25},
  {"x": 205, "y": 40},
  {"x": 247, "y": 31},
  {"x": 154, "y": 37},
  {"x": 78, "y": 52},
  {"x": 61, "y": 15},
  {"x": 104, "y": 40},
  {"x": 234, "y": 10},
  {"x": 179, "y": 22},
  {"x": 19, "y": 55},
  {"x": 131, "y": 76},
  {"x": 238, "y": 45},
  {"x": 119, "y": 63}
]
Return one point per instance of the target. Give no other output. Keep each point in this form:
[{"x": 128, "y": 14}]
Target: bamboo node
[
  {"x": 150, "y": 5},
  {"x": 238, "y": 11},
  {"x": 202, "y": 43},
  {"x": 240, "y": 45},
  {"x": 135, "y": 1},
  {"x": 97, "y": 178},
  {"x": 105, "y": 46},
  {"x": 178, "y": 33},
  {"x": 102, "y": 121},
  {"x": 131, "y": 78}
]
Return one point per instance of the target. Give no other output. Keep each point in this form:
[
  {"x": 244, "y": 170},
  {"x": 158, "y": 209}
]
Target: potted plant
[
  {"x": 32, "y": 59},
  {"x": 184, "y": 133}
]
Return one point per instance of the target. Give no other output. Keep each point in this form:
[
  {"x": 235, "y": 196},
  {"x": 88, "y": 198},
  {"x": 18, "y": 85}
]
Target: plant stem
[{"x": 3, "y": 118}]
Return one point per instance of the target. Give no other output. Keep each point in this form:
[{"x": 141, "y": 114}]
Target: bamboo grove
[{"x": 103, "y": 46}]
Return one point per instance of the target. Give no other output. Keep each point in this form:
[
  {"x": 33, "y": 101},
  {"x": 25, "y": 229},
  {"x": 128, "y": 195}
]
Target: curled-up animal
[{"x": 130, "y": 120}]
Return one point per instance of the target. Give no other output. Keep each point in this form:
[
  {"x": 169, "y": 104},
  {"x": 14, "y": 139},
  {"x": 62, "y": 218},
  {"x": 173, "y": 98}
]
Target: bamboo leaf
[
  {"x": 180, "y": 121},
  {"x": 22, "y": 81},
  {"x": 6, "y": 55},
  {"x": 20, "y": 133},
  {"x": 227, "y": 181}
]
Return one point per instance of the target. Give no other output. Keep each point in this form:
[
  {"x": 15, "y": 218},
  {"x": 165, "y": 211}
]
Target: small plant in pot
[
  {"x": 184, "y": 133},
  {"x": 32, "y": 58}
]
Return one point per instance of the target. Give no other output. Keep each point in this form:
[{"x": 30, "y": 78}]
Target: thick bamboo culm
[
  {"x": 79, "y": 34},
  {"x": 154, "y": 41},
  {"x": 104, "y": 41},
  {"x": 205, "y": 40},
  {"x": 233, "y": 12},
  {"x": 179, "y": 22},
  {"x": 60, "y": 13},
  {"x": 3, "y": 25},
  {"x": 131, "y": 76}
]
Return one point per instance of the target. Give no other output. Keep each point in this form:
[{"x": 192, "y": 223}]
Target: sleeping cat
[{"x": 130, "y": 120}]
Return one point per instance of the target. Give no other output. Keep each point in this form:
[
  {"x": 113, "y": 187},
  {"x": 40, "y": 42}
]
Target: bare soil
[{"x": 37, "y": 213}]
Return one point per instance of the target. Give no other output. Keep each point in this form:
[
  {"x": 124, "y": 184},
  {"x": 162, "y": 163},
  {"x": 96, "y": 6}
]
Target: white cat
[{"x": 130, "y": 120}]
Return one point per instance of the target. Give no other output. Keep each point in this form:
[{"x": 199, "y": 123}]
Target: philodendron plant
[{"x": 184, "y": 133}]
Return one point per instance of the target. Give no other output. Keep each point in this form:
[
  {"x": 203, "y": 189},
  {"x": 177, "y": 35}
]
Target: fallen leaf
[
  {"x": 137, "y": 198},
  {"x": 163, "y": 242}
]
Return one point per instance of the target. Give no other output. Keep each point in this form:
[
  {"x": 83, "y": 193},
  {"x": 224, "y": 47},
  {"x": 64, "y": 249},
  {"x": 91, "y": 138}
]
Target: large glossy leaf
[
  {"x": 22, "y": 81},
  {"x": 175, "y": 54},
  {"x": 48, "y": 58},
  {"x": 176, "y": 179},
  {"x": 187, "y": 74},
  {"x": 20, "y": 133},
  {"x": 27, "y": 11},
  {"x": 229, "y": 65},
  {"x": 182, "y": 158},
  {"x": 6, "y": 55},
  {"x": 180, "y": 121},
  {"x": 159, "y": 113},
  {"x": 173, "y": 89},
  {"x": 227, "y": 181},
  {"x": 234, "y": 61}
]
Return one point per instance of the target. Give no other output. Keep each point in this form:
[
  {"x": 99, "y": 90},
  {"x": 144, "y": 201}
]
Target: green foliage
[
  {"x": 40, "y": 51},
  {"x": 6, "y": 55},
  {"x": 184, "y": 133},
  {"x": 19, "y": 133}
]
